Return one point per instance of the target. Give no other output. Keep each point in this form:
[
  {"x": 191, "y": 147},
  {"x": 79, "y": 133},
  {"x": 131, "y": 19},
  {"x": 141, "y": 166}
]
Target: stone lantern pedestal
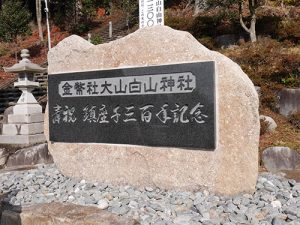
[{"x": 26, "y": 124}]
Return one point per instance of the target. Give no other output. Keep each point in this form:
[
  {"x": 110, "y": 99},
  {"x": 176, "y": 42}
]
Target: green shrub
[
  {"x": 131, "y": 8},
  {"x": 80, "y": 28},
  {"x": 292, "y": 2},
  {"x": 290, "y": 30},
  {"x": 14, "y": 20},
  {"x": 268, "y": 25},
  {"x": 88, "y": 9},
  {"x": 96, "y": 40},
  {"x": 68, "y": 16},
  {"x": 291, "y": 80},
  {"x": 202, "y": 25},
  {"x": 285, "y": 2},
  {"x": 216, "y": 23},
  {"x": 64, "y": 15}
]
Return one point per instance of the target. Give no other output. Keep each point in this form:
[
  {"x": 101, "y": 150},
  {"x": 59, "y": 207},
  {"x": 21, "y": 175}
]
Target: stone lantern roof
[{"x": 25, "y": 65}]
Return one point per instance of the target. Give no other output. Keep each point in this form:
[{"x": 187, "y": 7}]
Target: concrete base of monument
[
  {"x": 230, "y": 169},
  {"x": 22, "y": 139}
]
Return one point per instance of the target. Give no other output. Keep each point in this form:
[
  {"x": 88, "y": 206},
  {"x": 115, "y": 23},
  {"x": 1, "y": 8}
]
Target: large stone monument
[
  {"x": 26, "y": 123},
  {"x": 217, "y": 109}
]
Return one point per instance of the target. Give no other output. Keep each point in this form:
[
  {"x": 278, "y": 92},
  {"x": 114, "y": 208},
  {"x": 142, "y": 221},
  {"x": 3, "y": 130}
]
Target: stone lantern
[{"x": 26, "y": 123}]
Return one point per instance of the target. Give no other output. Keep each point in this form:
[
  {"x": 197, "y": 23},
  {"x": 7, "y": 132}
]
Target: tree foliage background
[
  {"x": 77, "y": 16},
  {"x": 14, "y": 20}
]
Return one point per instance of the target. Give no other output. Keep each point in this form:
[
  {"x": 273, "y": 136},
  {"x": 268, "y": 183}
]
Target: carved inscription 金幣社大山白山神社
[{"x": 134, "y": 85}]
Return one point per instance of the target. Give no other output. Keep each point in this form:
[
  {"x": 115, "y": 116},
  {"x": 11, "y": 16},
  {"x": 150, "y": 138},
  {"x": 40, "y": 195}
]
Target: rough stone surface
[
  {"x": 3, "y": 156},
  {"x": 280, "y": 158},
  {"x": 30, "y": 156},
  {"x": 289, "y": 101},
  {"x": 66, "y": 214},
  {"x": 272, "y": 125},
  {"x": 230, "y": 169}
]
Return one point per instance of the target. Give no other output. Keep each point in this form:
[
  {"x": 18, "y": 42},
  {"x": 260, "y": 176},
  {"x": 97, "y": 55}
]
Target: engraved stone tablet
[
  {"x": 163, "y": 115},
  {"x": 169, "y": 105}
]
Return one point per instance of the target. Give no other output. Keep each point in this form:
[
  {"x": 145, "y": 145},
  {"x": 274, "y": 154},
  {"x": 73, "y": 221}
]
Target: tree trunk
[
  {"x": 252, "y": 29},
  {"x": 78, "y": 9},
  {"x": 111, "y": 7},
  {"x": 197, "y": 7},
  {"x": 38, "y": 7},
  {"x": 16, "y": 48}
]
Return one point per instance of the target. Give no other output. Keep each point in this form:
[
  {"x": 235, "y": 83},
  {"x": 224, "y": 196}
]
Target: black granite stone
[{"x": 176, "y": 110}]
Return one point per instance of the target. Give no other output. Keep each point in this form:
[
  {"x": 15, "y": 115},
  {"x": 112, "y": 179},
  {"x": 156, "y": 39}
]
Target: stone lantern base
[{"x": 23, "y": 129}]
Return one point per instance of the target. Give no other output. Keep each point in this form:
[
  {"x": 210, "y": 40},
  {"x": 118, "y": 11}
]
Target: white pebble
[
  {"x": 102, "y": 204},
  {"x": 71, "y": 198},
  {"x": 276, "y": 204}
]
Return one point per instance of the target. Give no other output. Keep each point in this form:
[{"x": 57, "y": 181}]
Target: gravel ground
[{"x": 276, "y": 200}]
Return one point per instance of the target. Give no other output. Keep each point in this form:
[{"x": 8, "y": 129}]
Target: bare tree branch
[
  {"x": 241, "y": 17},
  {"x": 243, "y": 24},
  {"x": 38, "y": 6},
  {"x": 188, "y": 4}
]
